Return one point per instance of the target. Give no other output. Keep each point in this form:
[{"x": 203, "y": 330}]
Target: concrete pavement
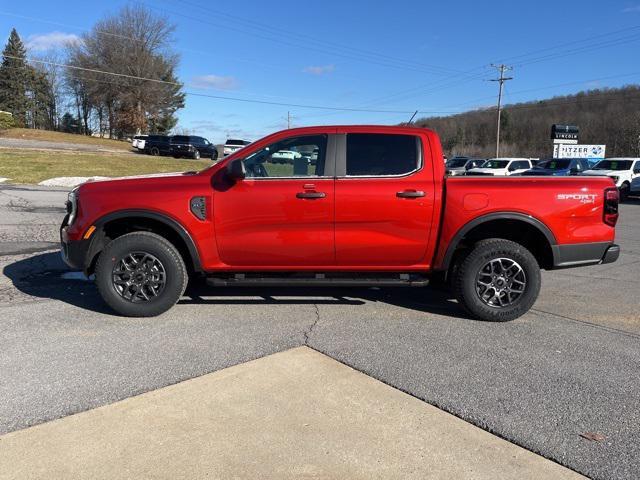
[
  {"x": 295, "y": 414},
  {"x": 566, "y": 369}
]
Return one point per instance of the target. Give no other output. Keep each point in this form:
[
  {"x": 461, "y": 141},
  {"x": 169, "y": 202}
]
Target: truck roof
[{"x": 358, "y": 128}]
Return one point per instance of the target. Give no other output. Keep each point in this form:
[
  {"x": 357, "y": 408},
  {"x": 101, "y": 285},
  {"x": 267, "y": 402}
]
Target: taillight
[{"x": 611, "y": 199}]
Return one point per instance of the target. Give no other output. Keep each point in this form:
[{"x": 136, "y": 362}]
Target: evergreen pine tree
[{"x": 14, "y": 79}]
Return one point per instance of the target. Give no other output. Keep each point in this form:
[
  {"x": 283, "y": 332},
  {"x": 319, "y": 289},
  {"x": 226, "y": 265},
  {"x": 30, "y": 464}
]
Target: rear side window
[
  {"x": 519, "y": 165},
  {"x": 382, "y": 154}
]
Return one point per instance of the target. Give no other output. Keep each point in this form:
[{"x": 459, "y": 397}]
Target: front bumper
[
  {"x": 582, "y": 254},
  {"x": 74, "y": 252}
]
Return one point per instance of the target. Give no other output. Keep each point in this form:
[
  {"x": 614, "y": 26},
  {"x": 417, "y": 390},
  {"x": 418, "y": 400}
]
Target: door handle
[
  {"x": 310, "y": 195},
  {"x": 410, "y": 194}
]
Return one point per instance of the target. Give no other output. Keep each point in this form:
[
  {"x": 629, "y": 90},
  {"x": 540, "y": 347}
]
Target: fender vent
[{"x": 198, "y": 206}]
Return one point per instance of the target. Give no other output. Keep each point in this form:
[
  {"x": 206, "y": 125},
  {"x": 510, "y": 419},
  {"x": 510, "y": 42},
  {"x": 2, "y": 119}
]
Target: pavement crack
[
  {"x": 307, "y": 332},
  {"x": 590, "y": 324}
]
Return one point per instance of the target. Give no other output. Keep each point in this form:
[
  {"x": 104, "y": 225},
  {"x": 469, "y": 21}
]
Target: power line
[
  {"x": 220, "y": 97},
  {"x": 307, "y": 38},
  {"x": 589, "y": 47},
  {"x": 280, "y": 39}
]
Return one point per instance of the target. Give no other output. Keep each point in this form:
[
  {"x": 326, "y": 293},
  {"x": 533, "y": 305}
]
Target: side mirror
[{"x": 236, "y": 170}]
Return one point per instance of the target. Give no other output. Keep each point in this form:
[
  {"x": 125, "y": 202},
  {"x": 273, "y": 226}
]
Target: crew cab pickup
[
  {"x": 373, "y": 209},
  {"x": 625, "y": 172}
]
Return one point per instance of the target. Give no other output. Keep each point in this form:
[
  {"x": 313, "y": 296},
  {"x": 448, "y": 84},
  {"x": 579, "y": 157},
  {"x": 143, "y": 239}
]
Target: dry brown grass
[{"x": 46, "y": 135}]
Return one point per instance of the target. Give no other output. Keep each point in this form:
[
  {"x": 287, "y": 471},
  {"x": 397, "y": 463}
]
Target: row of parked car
[
  {"x": 184, "y": 146},
  {"x": 625, "y": 172}
]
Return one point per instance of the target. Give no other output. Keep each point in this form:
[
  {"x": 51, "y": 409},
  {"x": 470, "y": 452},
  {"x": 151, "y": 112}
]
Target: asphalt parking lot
[{"x": 568, "y": 367}]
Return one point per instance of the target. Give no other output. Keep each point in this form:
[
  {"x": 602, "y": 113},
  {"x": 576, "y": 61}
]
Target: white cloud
[
  {"x": 319, "y": 70},
  {"x": 633, "y": 9},
  {"x": 41, "y": 42},
  {"x": 217, "y": 82}
]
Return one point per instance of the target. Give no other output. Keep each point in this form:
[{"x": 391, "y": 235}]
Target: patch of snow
[
  {"x": 68, "y": 181},
  {"x": 3, "y": 179}
]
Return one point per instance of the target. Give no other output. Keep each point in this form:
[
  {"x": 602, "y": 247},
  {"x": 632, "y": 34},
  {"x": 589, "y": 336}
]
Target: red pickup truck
[{"x": 349, "y": 206}]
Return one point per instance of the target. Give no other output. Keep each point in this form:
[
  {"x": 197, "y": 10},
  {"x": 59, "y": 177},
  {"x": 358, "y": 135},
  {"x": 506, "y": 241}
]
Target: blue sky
[{"x": 394, "y": 57}]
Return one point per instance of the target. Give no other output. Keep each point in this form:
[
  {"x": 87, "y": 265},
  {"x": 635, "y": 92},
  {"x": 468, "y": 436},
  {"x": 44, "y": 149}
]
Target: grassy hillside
[
  {"x": 22, "y": 166},
  {"x": 46, "y": 135},
  {"x": 610, "y": 117}
]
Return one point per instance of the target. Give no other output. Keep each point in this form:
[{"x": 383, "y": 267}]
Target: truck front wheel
[
  {"x": 140, "y": 274},
  {"x": 498, "y": 280}
]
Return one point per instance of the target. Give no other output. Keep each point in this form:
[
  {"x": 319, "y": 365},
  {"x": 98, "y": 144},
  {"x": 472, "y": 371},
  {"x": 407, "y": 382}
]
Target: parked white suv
[
  {"x": 139, "y": 141},
  {"x": 624, "y": 171},
  {"x": 232, "y": 146},
  {"x": 502, "y": 166}
]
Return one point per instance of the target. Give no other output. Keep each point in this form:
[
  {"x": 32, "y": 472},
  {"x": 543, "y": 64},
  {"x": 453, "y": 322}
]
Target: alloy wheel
[{"x": 500, "y": 282}]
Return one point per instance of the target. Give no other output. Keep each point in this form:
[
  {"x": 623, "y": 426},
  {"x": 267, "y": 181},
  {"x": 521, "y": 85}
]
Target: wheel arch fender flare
[
  {"x": 97, "y": 243},
  {"x": 476, "y": 222}
]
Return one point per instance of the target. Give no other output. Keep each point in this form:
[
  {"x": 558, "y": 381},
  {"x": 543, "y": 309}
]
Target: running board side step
[{"x": 319, "y": 280}]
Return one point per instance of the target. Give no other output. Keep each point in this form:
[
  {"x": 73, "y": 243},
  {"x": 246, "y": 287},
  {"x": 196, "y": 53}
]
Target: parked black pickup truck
[{"x": 189, "y": 146}]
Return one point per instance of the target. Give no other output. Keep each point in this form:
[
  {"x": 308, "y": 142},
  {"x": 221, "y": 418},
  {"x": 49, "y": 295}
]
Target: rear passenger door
[{"x": 384, "y": 195}]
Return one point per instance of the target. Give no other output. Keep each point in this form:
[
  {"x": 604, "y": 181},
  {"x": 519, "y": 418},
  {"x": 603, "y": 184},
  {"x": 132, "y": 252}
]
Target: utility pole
[
  {"x": 501, "y": 68},
  {"x": 288, "y": 120}
]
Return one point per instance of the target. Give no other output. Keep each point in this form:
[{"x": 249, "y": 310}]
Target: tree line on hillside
[
  {"x": 604, "y": 116},
  {"x": 100, "y": 83}
]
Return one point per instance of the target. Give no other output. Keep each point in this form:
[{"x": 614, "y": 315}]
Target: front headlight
[{"x": 72, "y": 206}]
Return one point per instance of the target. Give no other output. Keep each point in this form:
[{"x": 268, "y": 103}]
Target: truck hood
[
  {"x": 137, "y": 181},
  {"x": 545, "y": 172},
  {"x": 602, "y": 173},
  {"x": 487, "y": 171}
]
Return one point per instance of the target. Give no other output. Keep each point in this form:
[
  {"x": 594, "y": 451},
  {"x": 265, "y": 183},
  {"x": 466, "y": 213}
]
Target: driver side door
[{"x": 281, "y": 216}]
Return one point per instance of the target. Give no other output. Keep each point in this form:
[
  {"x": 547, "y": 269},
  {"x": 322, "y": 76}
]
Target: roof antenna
[{"x": 412, "y": 117}]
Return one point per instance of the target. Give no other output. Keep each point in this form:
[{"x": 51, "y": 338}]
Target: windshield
[
  {"x": 239, "y": 143},
  {"x": 554, "y": 164},
  {"x": 457, "y": 162},
  {"x": 613, "y": 165},
  {"x": 496, "y": 164}
]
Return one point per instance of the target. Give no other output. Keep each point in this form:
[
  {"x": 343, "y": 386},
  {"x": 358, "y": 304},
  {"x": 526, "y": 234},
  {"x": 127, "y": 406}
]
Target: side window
[
  {"x": 519, "y": 165},
  {"x": 179, "y": 139},
  {"x": 382, "y": 154},
  {"x": 636, "y": 168},
  {"x": 292, "y": 157},
  {"x": 196, "y": 140}
]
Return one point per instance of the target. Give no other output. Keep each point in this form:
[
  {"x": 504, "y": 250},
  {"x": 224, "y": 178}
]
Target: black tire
[
  {"x": 155, "y": 247},
  {"x": 155, "y": 151},
  {"x": 493, "y": 255},
  {"x": 625, "y": 188},
  {"x": 196, "y": 154},
  {"x": 214, "y": 155}
]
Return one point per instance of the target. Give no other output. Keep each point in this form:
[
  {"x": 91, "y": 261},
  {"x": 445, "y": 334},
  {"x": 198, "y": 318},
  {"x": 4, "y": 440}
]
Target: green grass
[
  {"x": 22, "y": 166},
  {"x": 46, "y": 135}
]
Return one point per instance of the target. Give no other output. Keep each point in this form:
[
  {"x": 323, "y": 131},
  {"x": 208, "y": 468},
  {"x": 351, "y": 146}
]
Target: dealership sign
[
  {"x": 591, "y": 152},
  {"x": 564, "y": 133}
]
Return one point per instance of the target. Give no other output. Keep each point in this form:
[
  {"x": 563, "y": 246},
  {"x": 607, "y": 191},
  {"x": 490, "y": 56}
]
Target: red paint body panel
[
  {"x": 376, "y": 228},
  {"x": 261, "y": 223},
  {"x": 570, "y": 220},
  {"x": 256, "y": 225}
]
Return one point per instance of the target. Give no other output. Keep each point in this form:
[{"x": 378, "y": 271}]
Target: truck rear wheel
[
  {"x": 140, "y": 274},
  {"x": 498, "y": 280}
]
